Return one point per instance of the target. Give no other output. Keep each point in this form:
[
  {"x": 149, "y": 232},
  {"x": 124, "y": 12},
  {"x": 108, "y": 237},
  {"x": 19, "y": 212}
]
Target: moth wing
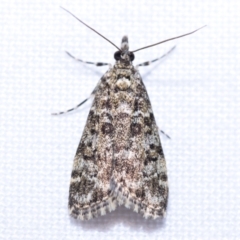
[
  {"x": 90, "y": 194},
  {"x": 140, "y": 174}
]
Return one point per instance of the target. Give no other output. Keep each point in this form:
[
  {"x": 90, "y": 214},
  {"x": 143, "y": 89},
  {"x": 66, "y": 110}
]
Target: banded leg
[
  {"x": 150, "y": 62},
  {"x": 98, "y": 64},
  {"x": 81, "y": 103},
  {"x": 161, "y": 131},
  {"x": 72, "y": 109}
]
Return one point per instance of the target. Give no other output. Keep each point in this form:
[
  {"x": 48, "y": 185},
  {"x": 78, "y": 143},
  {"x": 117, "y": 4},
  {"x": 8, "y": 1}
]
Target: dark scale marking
[
  {"x": 163, "y": 177},
  {"x": 154, "y": 159},
  {"x": 81, "y": 147},
  {"x": 93, "y": 119},
  {"x": 135, "y": 108},
  {"x": 106, "y": 104},
  {"x": 94, "y": 197},
  {"x": 129, "y": 169},
  {"x": 100, "y": 195},
  {"x": 151, "y": 156},
  {"x": 122, "y": 116},
  {"x": 152, "y": 146},
  {"x": 163, "y": 204},
  {"x": 85, "y": 212},
  {"x": 145, "y": 163},
  {"x": 75, "y": 174},
  {"x": 152, "y": 117},
  {"x": 160, "y": 151},
  {"x": 75, "y": 213},
  {"x": 91, "y": 115},
  {"x": 117, "y": 149},
  {"x": 154, "y": 185},
  {"x": 140, "y": 90},
  {"x": 149, "y": 132},
  {"x": 105, "y": 204},
  {"x": 87, "y": 186},
  {"x": 147, "y": 121},
  {"x": 103, "y": 79},
  {"x": 136, "y": 129},
  {"x": 107, "y": 115},
  {"x": 82, "y": 185},
  {"x": 71, "y": 200},
  {"x": 93, "y": 131},
  {"x": 140, "y": 193},
  {"x": 162, "y": 190},
  {"x": 107, "y": 128},
  {"x": 144, "y": 173},
  {"x": 74, "y": 187},
  {"x": 87, "y": 158},
  {"x": 116, "y": 89}
]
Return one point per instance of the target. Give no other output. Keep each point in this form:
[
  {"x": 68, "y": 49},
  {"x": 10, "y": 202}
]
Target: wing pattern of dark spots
[
  {"x": 140, "y": 193},
  {"x": 135, "y": 107},
  {"x": 74, "y": 187},
  {"x": 122, "y": 116},
  {"x": 151, "y": 116},
  {"x": 163, "y": 204},
  {"x": 162, "y": 190},
  {"x": 160, "y": 151},
  {"x": 152, "y": 146},
  {"x": 81, "y": 147},
  {"x": 107, "y": 116},
  {"x": 93, "y": 131},
  {"x": 107, "y": 128},
  {"x": 163, "y": 177},
  {"x": 76, "y": 173},
  {"x": 136, "y": 129},
  {"x": 97, "y": 196},
  {"x": 71, "y": 202},
  {"x": 150, "y": 156},
  {"x": 93, "y": 118},
  {"x": 86, "y": 157},
  {"x": 147, "y": 121},
  {"x": 106, "y": 104}
]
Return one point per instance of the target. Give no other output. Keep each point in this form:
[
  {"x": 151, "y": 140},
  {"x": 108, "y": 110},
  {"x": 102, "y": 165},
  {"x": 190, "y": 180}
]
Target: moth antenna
[
  {"x": 91, "y": 28},
  {"x": 169, "y": 39}
]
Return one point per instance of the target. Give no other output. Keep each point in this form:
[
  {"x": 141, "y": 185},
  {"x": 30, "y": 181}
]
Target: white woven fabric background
[{"x": 195, "y": 94}]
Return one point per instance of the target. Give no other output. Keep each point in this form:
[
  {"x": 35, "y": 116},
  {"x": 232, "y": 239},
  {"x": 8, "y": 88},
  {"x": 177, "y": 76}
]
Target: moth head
[{"x": 124, "y": 54}]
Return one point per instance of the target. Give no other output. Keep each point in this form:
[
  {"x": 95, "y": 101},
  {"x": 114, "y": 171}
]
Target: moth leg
[
  {"x": 150, "y": 62},
  {"x": 161, "y": 131},
  {"x": 69, "y": 110},
  {"x": 98, "y": 64}
]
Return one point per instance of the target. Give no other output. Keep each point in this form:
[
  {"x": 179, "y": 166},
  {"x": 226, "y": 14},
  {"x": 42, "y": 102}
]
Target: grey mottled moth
[{"x": 119, "y": 160}]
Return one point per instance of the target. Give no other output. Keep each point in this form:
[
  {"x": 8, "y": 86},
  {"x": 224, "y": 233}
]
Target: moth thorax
[{"x": 123, "y": 83}]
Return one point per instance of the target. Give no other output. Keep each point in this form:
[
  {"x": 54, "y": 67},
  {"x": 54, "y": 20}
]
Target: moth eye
[
  {"x": 117, "y": 55},
  {"x": 131, "y": 55}
]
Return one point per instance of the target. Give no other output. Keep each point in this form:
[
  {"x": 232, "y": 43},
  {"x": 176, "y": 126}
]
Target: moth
[{"x": 119, "y": 160}]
